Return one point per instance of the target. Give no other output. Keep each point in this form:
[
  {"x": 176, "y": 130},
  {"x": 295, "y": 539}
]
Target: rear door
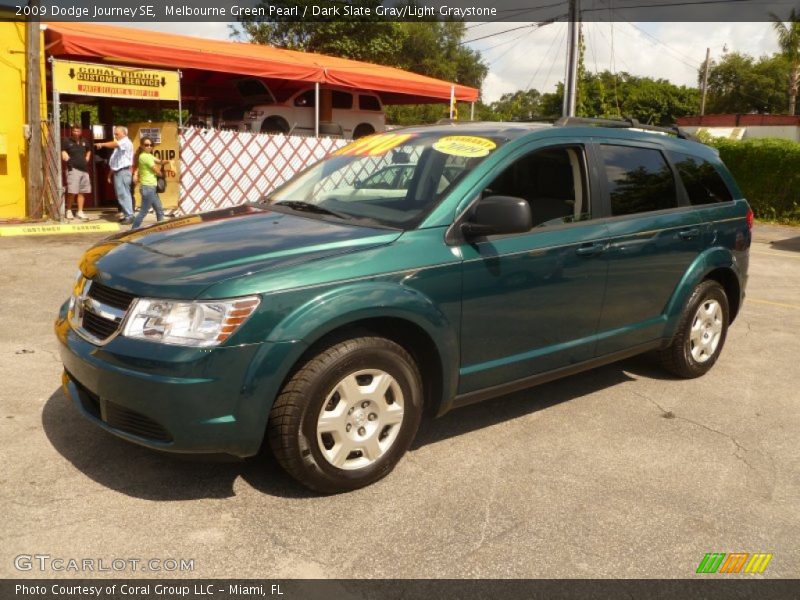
[{"x": 654, "y": 235}]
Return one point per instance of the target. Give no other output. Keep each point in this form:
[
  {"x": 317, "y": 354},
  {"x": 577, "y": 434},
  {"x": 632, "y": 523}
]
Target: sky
[{"x": 534, "y": 57}]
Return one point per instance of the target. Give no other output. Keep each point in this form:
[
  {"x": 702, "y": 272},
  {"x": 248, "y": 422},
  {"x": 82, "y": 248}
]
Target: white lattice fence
[{"x": 226, "y": 168}]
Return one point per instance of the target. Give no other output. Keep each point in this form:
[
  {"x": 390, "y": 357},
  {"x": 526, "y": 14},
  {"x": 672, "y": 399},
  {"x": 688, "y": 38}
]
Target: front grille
[
  {"x": 98, "y": 326},
  {"x": 132, "y": 422},
  {"x": 106, "y": 295}
]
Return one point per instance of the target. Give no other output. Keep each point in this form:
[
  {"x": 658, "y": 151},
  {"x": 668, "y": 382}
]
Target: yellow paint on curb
[
  {"x": 781, "y": 304},
  {"x": 57, "y": 228},
  {"x": 781, "y": 254}
]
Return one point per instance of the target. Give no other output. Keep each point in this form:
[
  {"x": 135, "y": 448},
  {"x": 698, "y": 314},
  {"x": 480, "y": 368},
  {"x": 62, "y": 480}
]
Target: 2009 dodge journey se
[{"x": 421, "y": 269}]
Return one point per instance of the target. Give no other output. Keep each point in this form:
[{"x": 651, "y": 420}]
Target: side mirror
[
  {"x": 358, "y": 184},
  {"x": 498, "y": 215}
]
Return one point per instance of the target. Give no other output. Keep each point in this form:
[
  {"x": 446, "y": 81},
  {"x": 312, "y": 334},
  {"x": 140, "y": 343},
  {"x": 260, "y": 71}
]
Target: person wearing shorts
[{"x": 76, "y": 152}]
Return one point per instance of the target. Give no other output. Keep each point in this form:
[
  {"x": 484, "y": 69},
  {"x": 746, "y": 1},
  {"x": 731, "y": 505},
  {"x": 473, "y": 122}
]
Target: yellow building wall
[{"x": 12, "y": 119}]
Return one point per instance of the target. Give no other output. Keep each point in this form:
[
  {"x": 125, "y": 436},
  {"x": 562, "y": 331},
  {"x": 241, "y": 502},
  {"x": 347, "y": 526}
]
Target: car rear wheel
[
  {"x": 701, "y": 333},
  {"x": 346, "y": 416}
]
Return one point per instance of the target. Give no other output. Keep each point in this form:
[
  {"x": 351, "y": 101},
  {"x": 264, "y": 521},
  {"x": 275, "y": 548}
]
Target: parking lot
[{"x": 618, "y": 472}]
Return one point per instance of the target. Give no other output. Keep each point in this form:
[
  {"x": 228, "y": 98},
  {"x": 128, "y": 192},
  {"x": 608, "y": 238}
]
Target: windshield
[{"x": 389, "y": 179}]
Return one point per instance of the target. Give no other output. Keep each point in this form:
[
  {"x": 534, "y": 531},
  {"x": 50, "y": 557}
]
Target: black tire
[
  {"x": 362, "y": 130},
  {"x": 275, "y": 125},
  {"x": 681, "y": 356},
  {"x": 292, "y": 430}
]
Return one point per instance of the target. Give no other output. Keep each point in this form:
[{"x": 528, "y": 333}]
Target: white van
[{"x": 355, "y": 113}]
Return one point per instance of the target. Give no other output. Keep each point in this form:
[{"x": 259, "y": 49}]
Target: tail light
[{"x": 750, "y": 218}]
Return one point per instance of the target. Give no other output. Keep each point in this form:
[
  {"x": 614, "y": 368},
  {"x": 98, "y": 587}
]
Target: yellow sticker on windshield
[
  {"x": 374, "y": 145},
  {"x": 465, "y": 145}
]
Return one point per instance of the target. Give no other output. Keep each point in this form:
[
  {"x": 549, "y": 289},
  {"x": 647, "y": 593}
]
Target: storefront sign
[{"x": 90, "y": 79}]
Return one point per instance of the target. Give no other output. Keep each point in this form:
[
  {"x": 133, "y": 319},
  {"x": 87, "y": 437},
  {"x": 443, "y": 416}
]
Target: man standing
[
  {"x": 76, "y": 151},
  {"x": 120, "y": 162}
]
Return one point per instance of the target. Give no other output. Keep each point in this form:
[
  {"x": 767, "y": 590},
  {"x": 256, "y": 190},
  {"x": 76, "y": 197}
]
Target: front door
[{"x": 532, "y": 301}]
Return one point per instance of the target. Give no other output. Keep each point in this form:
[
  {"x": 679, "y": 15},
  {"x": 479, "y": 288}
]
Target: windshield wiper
[{"x": 302, "y": 206}]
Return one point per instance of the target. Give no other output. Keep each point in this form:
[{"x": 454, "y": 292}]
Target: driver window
[{"x": 553, "y": 181}]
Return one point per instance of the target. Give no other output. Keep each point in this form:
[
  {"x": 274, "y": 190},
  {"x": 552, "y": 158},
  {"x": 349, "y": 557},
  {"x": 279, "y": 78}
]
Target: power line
[
  {"x": 519, "y": 11},
  {"x": 502, "y": 54},
  {"x": 669, "y": 4},
  {"x": 675, "y": 55},
  {"x": 552, "y": 64},
  {"x": 536, "y": 25},
  {"x": 541, "y": 62}
]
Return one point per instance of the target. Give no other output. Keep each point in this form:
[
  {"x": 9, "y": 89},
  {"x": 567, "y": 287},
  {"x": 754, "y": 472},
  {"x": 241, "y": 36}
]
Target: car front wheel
[{"x": 346, "y": 416}]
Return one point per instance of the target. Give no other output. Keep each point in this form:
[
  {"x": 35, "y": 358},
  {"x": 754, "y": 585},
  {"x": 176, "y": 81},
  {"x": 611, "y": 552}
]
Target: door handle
[
  {"x": 591, "y": 249},
  {"x": 689, "y": 234}
]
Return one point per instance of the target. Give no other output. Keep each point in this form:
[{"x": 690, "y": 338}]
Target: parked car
[
  {"x": 355, "y": 114},
  {"x": 519, "y": 253}
]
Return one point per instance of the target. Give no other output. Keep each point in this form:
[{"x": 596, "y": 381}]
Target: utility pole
[
  {"x": 33, "y": 96},
  {"x": 705, "y": 82},
  {"x": 571, "y": 79}
]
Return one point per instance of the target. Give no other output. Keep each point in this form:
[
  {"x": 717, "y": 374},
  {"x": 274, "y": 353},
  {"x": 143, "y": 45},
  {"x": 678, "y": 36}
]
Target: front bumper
[{"x": 172, "y": 398}]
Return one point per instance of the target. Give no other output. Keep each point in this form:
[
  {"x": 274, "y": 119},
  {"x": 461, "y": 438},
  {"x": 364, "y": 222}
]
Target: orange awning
[{"x": 126, "y": 45}]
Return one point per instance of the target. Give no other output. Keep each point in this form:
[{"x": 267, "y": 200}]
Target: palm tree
[{"x": 789, "y": 40}]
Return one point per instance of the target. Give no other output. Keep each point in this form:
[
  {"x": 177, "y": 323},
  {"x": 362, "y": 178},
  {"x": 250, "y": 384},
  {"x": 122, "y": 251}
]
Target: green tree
[
  {"x": 653, "y": 101},
  {"x": 789, "y": 41},
  {"x": 519, "y": 105},
  {"x": 372, "y": 41},
  {"x": 741, "y": 84}
]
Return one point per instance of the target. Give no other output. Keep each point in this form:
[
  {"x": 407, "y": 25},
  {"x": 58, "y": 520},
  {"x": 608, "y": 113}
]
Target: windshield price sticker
[
  {"x": 465, "y": 145},
  {"x": 374, "y": 145}
]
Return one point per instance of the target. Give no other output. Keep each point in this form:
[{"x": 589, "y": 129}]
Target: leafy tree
[
  {"x": 519, "y": 105},
  {"x": 741, "y": 84},
  {"x": 789, "y": 41},
  {"x": 372, "y": 41},
  {"x": 653, "y": 101}
]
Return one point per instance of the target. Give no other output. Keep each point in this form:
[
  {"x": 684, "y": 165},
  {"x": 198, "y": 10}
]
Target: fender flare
[
  {"x": 343, "y": 306},
  {"x": 367, "y": 300},
  {"x": 710, "y": 260}
]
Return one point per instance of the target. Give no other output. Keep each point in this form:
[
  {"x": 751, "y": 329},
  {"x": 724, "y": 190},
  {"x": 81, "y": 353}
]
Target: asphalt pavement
[{"x": 622, "y": 471}]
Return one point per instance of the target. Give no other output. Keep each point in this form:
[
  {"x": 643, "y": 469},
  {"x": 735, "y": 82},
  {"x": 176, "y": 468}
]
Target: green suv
[{"x": 329, "y": 320}]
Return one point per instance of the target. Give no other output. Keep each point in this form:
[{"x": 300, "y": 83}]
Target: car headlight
[{"x": 206, "y": 323}]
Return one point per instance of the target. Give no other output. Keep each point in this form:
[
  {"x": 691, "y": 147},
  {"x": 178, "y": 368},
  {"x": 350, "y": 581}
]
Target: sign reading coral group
[{"x": 91, "y": 79}]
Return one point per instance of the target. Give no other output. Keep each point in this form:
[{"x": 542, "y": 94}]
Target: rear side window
[
  {"x": 342, "y": 100},
  {"x": 368, "y": 103},
  {"x": 639, "y": 180},
  {"x": 702, "y": 181}
]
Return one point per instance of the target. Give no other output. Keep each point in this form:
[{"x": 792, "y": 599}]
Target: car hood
[{"x": 182, "y": 257}]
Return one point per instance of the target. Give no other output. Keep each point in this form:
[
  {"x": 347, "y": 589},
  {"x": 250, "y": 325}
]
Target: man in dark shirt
[{"x": 76, "y": 152}]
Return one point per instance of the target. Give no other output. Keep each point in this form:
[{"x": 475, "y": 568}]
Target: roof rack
[{"x": 627, "y": 123}]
